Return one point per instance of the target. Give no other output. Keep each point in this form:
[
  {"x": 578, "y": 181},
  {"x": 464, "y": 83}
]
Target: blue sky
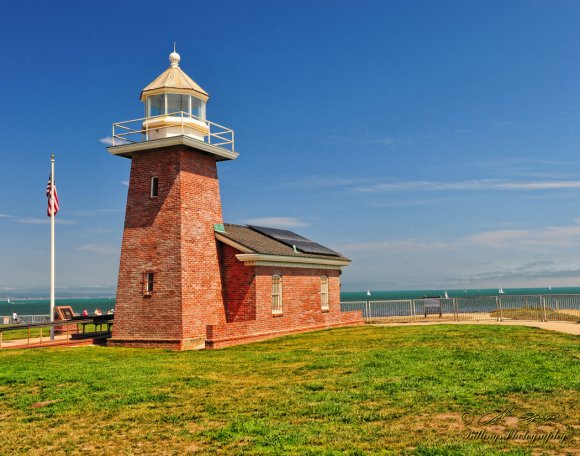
[{"x": 434, "y": 143}]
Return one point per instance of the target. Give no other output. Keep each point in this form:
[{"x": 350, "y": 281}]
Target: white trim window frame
[
  {"x": 277, "y": 294},
  {"x": 324, "y": 306}
]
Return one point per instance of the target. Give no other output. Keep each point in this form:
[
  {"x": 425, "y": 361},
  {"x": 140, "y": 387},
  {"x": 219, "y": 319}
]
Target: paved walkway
[{"x": 560, "y": 326}]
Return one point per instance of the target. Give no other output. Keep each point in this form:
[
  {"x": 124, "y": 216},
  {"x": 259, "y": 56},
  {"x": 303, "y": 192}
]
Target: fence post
[
  {"x": 499, "y": 308},
  {"x": 455, "y": 310},
  {"x": 544, "y": 307},
  {"x": 368, "y": 311}
]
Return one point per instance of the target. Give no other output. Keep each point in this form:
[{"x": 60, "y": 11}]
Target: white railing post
[{"x": 544, "y": 307}]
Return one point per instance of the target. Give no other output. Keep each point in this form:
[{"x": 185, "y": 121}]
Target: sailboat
[
  {"x": 446, "y": 295},
  {"x": 500, "y": 291},
  {"x": 8, "y": 301}
]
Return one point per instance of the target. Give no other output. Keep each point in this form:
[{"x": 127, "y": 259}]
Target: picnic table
[{"x": 96, "y": 320}]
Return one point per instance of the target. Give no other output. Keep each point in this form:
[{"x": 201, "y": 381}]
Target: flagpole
[{"x": 52, "y": 245}]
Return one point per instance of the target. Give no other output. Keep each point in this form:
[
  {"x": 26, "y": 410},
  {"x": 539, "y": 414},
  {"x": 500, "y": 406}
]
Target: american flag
[{"x": 48, "y": 195}]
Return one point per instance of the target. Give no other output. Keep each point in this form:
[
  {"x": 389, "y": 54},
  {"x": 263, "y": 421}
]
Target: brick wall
[
  {"x": 172, "y": 236},
  {"x": 239, "y": 286},
  {"x": 247, "y": 292}
]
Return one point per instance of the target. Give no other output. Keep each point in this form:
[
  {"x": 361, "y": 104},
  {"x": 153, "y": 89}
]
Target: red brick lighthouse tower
[{"x": 169, "y": 285}]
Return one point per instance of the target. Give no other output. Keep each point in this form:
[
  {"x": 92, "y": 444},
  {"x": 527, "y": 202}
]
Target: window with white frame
[
  {"x": 324, "y": 293},
  {"x": 154, "y": 186},
  {"x": 148, "y": 283},
  {"x": 177, "y": 103},
  {"x": 156, "y": 105},
  {"x": 277, "y": 294}
]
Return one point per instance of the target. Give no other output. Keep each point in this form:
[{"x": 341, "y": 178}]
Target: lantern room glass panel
[
  {"x": 177, "y": 102},
  {"x": 156, "y": 105}
]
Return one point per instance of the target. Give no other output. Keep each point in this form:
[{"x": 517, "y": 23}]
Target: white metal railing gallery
[{"x": 138, "y": 130}]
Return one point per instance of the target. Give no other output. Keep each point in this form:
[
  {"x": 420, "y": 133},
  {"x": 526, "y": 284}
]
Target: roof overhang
[
  {"x": 234, "y": 244},
  {"x": 128, "y": 150},
  {"x": 260, "y": 259}
]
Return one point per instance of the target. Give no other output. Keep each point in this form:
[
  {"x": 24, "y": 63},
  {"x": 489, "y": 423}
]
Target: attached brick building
[{"x": 187, "y": 280}]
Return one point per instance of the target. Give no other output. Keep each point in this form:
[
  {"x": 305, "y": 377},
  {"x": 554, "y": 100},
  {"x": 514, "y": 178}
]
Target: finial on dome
[{"x": 174, "y": 58}]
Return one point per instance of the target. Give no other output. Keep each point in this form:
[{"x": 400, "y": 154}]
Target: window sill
[
  {"x": 325, "y": 310},
  {"x": 277, "y": 314}
]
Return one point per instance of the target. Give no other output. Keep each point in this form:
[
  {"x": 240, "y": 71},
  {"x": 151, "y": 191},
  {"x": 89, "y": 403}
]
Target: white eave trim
[
  {"x": 234, "y": 244},
  {"x": 126, "y": 150},
  {"x": 260, "y": 259}
]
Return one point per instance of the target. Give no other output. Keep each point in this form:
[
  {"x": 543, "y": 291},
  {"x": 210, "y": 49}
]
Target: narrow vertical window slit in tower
[{"x": 154, "y": 186}]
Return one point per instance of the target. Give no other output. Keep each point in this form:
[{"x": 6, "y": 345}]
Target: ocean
[
  {"x": 42, "y": 306},
  {"x": 350, "y": 296}
]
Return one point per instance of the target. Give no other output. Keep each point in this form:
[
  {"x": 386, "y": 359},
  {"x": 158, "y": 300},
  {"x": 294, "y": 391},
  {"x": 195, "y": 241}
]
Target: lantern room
[
  {"x": 174, "y": 115},
  {"x": 174, "y": 105}
]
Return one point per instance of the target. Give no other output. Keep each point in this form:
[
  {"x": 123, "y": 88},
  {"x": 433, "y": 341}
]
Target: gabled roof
[
  {"x": 249, "y": 240},
  {"x": 176, "y": 79}
]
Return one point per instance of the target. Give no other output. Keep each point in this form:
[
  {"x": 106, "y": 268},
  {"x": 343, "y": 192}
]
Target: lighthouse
[
  {"x": 186, "y": 279},
  {"x": 169, "y": 284}
]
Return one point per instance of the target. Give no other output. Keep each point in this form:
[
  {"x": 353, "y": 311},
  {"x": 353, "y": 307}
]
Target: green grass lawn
[{"x": 411, "y": 390}]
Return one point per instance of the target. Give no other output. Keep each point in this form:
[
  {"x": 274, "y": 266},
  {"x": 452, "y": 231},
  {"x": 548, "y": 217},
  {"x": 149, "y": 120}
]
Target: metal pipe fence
[
  {"x": 24, "y": 319},
  {"x": 480, "y": 308},
  {"x": 23, "y": 334}
]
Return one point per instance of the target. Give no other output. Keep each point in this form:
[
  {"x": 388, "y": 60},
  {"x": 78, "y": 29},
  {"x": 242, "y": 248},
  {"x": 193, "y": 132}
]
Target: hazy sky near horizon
[{"x": 436, "y": 144}]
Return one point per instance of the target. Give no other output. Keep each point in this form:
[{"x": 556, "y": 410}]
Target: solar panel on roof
[
  {"x": 278, "y": 234},
  {"x": 294, "y": 240},
  {"x": 314, "y": 247}
]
